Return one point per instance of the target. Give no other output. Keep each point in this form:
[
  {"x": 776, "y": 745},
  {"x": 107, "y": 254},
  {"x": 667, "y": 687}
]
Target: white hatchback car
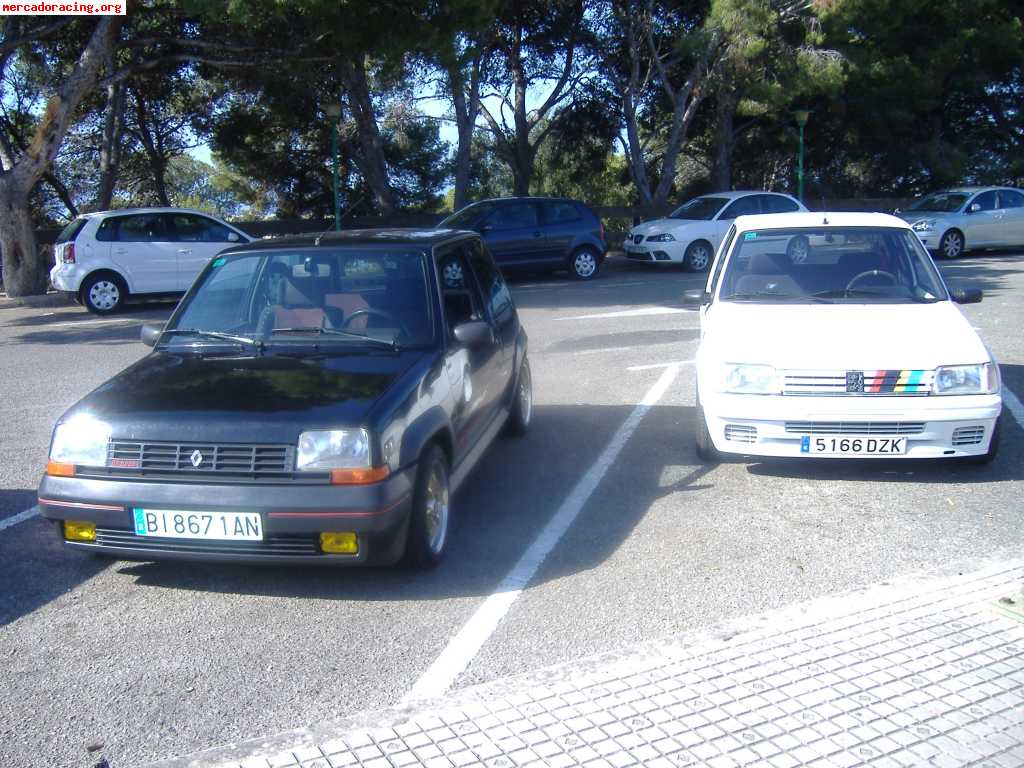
[
  {"x": 103, "y": 257},
  {"x": 856, "y": 351},
  {"x": 692, "y": 232}
]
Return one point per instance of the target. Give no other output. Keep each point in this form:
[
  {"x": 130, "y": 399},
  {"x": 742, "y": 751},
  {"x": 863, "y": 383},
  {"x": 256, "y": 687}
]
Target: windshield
[
  {"x": 856, "y": 264},
  {"x": 942, "y": 202},
  {"x": 699, "y": 209},
  {"x": 467, "y": 216},
  {"x": 333, "y": 296}
]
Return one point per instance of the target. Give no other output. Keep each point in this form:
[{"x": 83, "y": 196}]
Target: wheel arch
[
  {"x": 433, "y": 426},
  {"x": 105, "y": 270}
]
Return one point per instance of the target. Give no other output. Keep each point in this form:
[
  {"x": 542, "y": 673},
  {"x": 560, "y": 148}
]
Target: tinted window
[
  {"x": 107, "y": 231},
  {"x": 778, "y": 204},
  {"x": 940, "y": 202},
  {"x": 513, "y": 216},
  {"x": 559, "y": 212},
  {"x": 699, "y": 209},
  {"x": 189, "y": 228},
  {"x": 144, "y": 228},
  {"x": 468, "y": 216},
  {"x": 492, "y": 285},
  {"x": 745, "y": 206},
  {"x": 986, "y": 201},
  {"x": 1010, "y": 199},
  {"x": 70, "y": 232}
]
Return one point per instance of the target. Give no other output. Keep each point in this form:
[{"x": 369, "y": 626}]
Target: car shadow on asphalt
[
  {"x": 143, "y": 312},
  {"x": 989, "y": 272}
]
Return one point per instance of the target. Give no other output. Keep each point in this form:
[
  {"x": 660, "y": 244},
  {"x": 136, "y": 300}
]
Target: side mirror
[
  {"x": 965, "y": 295},
  {"x": 233, "y": 237},
  {"x": 696, "y": 297},
  {"x": 151, "y": 332},
  {"x": 473, "y": 334},
  {"x": 974, "y": 207}
]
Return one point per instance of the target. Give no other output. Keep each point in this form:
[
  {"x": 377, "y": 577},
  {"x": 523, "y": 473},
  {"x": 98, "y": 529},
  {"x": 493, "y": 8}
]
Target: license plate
[
  {"x": 180, "y": 524},
  {"x": 853, "y": 445}
]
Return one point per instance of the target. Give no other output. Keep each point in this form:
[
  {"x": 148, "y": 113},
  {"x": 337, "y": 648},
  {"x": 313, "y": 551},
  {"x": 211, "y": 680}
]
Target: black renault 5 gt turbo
[{"x": 311, "y": 400}]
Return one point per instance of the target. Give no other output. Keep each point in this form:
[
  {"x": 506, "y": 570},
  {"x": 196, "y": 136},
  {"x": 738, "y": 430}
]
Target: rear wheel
[
  {"x": 951, "y": 246},
  {"x": 431, "y": 512},
  {"x": 698, "y": 256},
  {"x": 584, "y": 263},
  {"x": 522, "y": 404},
  {"x": 103, "y": 293}
]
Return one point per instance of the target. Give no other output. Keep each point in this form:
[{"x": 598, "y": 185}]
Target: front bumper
[
  {"x": 292, "y": 518},
  {"x": 671, "y": 252},
  {"x": 753, "y": 425}
]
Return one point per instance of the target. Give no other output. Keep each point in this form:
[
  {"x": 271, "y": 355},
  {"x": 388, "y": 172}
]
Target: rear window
[{"x": 70, "y": 232}]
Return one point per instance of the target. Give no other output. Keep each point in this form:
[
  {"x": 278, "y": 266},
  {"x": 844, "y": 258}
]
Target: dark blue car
[{"x": 537, "y": 233}]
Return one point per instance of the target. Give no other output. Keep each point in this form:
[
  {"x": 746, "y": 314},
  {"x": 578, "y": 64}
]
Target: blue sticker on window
[
  {"x": 750, "y": 236},
  {"x": 218, "y": 262}
]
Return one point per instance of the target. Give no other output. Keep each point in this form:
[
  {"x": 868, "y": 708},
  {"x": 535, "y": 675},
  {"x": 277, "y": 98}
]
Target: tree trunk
[
  {"x": 22, "y": 273},
  {"x": 110, "y": 151},
  {"x": 467, "y": 107},
  {"x": 725, "y": 142},
  {"x": 371, "y": 162}
]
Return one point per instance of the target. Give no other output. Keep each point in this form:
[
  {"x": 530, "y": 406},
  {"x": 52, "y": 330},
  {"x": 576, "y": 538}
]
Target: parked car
[
  {"x": 691, "y": 234},
  {"x": 954, "y": 221},
  {"x": 102, "y": 258},
  {"x": 537, "y": 233},
  {"x": 309, "y": 401},
  {"x": 861, "y": 355}
]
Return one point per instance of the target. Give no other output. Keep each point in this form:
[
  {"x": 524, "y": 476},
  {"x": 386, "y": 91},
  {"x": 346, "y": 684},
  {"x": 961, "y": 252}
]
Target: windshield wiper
[
  {"x": 320, "y": 330},
  {"x": 772, "y": 295},
  {"x": 220, "y": 335}
]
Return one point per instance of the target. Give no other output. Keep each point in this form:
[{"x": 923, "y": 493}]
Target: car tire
[
  {"x": 951, "y": 244},
  {"x": 522, "y": 402},
  {"x": 584, "y": 263},
  {"x": 430, "y": 518},
  {"x": 706, "y": 450},
  {"x": 698, "y": 256},
  {"x": 993, "y": 448},
  {"x": 103, "y": 293},
  {"x": 799, "y": 249}
]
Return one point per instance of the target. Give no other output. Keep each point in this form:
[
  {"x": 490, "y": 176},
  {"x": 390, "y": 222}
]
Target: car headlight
[
  {"x": 81, "y": 439},
  {"x": 664, "y": 237},
  {"x": 333, "y": 449},
  {"x": 740, "y": 378},
  {"x": 981, "y": 379},
  {"x": 923, "y": 225}
]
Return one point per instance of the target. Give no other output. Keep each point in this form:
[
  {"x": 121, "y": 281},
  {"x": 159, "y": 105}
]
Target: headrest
[{"x": 769, "y": 264}]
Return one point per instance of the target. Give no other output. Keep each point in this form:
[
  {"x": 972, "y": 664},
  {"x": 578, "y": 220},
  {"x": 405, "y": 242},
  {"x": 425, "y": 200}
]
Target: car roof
[
  {"x": 350, "y": 237},
  {"x": 970, "y": 190},
  {"x": 818, "y": 220},
  {"x": 527, "y": 198},
  {"x": 128, "y": 211},
  {"x": 735, "y": 193}
]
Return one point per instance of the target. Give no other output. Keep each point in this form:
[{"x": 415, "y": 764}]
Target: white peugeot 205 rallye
[{"x": 856, "y": 350}]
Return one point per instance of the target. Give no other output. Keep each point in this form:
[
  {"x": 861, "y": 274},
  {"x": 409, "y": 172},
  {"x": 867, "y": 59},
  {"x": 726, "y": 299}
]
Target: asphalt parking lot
[{"x": 154, "y": 660}]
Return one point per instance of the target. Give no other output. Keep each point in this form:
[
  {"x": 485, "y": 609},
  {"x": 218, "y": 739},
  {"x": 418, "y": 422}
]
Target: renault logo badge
[{"x": 196, "y": 458}]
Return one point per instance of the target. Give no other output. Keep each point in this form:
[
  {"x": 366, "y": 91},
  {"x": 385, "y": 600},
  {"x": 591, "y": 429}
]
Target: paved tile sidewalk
[{"x": 929, "y": 672}]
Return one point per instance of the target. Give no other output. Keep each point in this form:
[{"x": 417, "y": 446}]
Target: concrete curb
[{"x": 52, "y": 299}]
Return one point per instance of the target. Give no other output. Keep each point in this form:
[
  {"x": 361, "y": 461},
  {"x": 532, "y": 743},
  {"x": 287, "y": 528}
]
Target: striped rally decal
[{"x": 885, "y": 382}]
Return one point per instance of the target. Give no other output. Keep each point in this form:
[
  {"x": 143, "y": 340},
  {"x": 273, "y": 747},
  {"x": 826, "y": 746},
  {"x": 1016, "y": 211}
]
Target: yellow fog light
[
  {"x": 76, "y": 530},
  {"x": 339, "y": 543}
]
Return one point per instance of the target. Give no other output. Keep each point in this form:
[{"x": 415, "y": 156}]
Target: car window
[
  {"x": 1008, "y": 198},
  {"x": 699, "y": 209},
  {"x": 459, "y": 293},
  {"x": 468, "y": 216},
  {"x": 986, "y": 201},
  {"x": 107, "y": 231},
  {"x": 492, "y": 285},
  {"x": 559, "y": 212},
  {"x": 940, "y": 202},
  {"x": 513, "y": 216},
  {"x": 190, "y": 228},
  {"x": 778, "y": 204},
  {"x": 745, "y": 206},
  {"x": 70, "y": 232},
  {"x": 720, "y": 262},
  {"x": 143, "y": 228}
]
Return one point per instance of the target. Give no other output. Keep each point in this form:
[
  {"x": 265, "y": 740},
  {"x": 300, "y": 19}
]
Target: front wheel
[
  {"x": 103, "y": 294},
  {"x": 698, "y": 256},
  {"x": 522, "y": 403},
  {"x": 706, "y": 450},
  {"x": 952, "y": 244},
  {"x": 431, "y": 512},
  {"x": 584, "y": 264}
]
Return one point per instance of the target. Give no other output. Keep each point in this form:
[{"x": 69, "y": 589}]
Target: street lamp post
[
  {"x": 334, "y": 113},
  {"x": 801, "y": 116}
]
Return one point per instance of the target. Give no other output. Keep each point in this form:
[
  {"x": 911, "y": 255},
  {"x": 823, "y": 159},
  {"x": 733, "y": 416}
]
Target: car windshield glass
[
  {"x": 840, "y": 264},
  {"x": 467, "y": 216},
  {"x": 366, "y": 296},
  {"x": 699, "y": 209},
  {"x": 942, "y": 202}
]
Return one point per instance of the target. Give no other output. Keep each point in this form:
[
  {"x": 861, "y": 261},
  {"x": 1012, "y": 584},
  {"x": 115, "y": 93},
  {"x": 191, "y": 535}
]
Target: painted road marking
[
  {"x": 1014, "y": 405},
  {"x": 659, "y": 365},
  {"x": 21, "y": 517},
  {"x": 642, "y": 312},
  {"x": 465, "y": 645}
]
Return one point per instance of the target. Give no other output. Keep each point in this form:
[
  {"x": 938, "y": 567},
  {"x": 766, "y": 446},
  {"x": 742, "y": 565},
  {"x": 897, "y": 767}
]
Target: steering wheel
[
  {"x": 375, "y": 313},
  {"x": 873, "y": 273}
]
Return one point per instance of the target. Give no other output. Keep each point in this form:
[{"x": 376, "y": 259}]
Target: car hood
[
  {"x": 911, "y": 216},
  {"x": 843, "y": 336},
  {"x": 657, "y": 226},
  {"x": 266, "y": 399}
]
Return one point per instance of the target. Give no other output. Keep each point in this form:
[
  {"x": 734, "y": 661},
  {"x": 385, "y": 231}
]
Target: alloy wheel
[
  {"x": 699, "y": 258},
  {"x": 436, "y": 509},
  {"x": 525, "y": 395},
  {"x": 585, "y": 264},
  {"x": 952, "y": 245}
]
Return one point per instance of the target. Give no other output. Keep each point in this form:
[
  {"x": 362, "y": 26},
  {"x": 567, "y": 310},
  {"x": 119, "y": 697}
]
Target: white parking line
[
  {"x": 659, "y": 365},
  {"x": 21, "y": 517},
  {"x": 465, "y": 645},
  {"x": 1012, "y": 403},
  {"x": 642, "y": 312},
  {"x": 81, "y": 323}
]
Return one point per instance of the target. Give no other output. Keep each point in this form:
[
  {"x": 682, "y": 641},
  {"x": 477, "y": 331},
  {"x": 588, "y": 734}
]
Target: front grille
[
  {"x": 740, "y": 433},
  {"x": 858, "y": 383},
  {"x": 293, "y": 546},
  {"x": 202, "y": 462},
  {"x": 968, "y": 435},
  {"x": 855, "y": 427}
]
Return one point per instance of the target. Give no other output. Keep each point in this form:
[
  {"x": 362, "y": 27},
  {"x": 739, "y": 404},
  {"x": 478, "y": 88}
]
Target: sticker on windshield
[
  {"x": 750, "y": 236},
  {"x": 218, "y": 262}
]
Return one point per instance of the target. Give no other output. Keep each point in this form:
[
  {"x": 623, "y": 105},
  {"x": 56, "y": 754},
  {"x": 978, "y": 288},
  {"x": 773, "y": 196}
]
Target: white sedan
[
  {"x": 691, "y": 234},
  {"x": 954, "y": 221},
  {"x": 857, "y": 353}
]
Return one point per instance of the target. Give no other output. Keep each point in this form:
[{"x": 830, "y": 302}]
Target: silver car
[{"x": 953, "y": 221}]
